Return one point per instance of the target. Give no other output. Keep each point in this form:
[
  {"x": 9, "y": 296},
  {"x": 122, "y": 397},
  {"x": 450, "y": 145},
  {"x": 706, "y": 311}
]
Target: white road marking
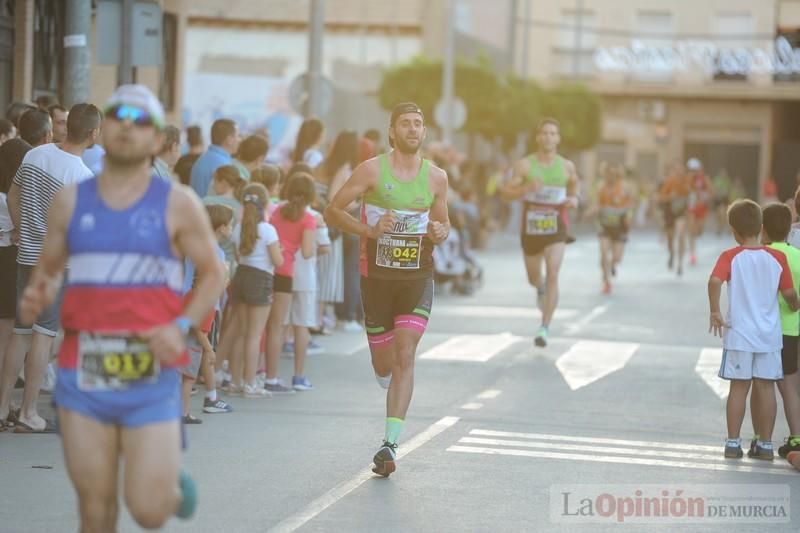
[
  {"x": 470, "y": 348},
  {"x": 489, "y": 394},
  {"x": 708, "y": 369},
  {"x": 597, "y": 440},
  {"x": 489, "y": 311},
  {"x": 587, "y": 361},
  {"x": 598, "y": 450},
  {"x": 575, "y": 327},
  {"x": 788, "y": 471},
  {"x": 313, "y": 509},
  {"x": 474, "y": 406},
  {"x": 360, "y": 346}
]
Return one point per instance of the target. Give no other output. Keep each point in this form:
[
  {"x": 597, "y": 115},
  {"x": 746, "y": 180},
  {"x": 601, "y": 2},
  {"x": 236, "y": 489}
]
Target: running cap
[
  {"x": 694, "y": 164},
  {"x": 139, "y": 96},
  {"x": 403, "y": 108}
]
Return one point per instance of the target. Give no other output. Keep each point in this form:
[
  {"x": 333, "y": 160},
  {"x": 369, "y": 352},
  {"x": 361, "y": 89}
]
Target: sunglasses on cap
[{"x": 137, "y": 116}]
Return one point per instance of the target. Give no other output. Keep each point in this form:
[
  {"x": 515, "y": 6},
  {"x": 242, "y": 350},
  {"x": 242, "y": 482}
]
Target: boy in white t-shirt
[{"x": 751, "y": 332}]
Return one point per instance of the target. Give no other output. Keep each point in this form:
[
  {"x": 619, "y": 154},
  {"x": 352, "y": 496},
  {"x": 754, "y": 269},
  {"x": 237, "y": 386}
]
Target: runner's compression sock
[{"x": 393, "y": 428}]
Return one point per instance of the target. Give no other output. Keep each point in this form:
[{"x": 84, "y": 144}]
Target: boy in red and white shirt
[{"x": 751, "y": 332}]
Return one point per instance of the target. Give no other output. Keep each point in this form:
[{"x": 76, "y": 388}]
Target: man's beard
[
  {"x": 126, "y": 161},
  {"x": 405, "y": 148}
]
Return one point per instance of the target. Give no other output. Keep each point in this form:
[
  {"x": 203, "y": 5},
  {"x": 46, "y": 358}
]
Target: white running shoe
[
  {"x": 351, "y": 326},
  {"x": 254, "y": 391}
]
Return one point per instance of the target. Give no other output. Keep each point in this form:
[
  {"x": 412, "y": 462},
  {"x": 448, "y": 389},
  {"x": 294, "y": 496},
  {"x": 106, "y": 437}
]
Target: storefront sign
[{"x": 779, "y": 58}]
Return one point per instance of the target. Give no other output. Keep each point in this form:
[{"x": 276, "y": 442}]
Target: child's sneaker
[
  {"x": 792, "y": 444},
  {"x": 762, "y": 451},
  {"x": 254, "y": 391},
  {"x": 234, "y": 390},
  {"x": 314, "y": 348},
  {"x": 278, "y": 388},
  {"x": 301, "y": 383},
  {"x": 733, "y": 449},
  {"x": 216, "y": 406}
]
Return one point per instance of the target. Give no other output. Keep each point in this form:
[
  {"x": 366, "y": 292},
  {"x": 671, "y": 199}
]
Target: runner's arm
[
  {"x": 195, "y": 239},
  {"x": 439, "y": 227},
  {"x": 573, "y": 184},
  {"x": 515, "y": 188},
  {"x": 363, "y": 179},
  {"x": 790, "y": 295},
  {"x": 47, "y": 276}
]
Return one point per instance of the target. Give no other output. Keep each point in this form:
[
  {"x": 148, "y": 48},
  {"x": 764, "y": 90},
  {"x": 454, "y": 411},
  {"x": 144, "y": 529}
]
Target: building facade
[
  {"x": 32, "y": 54},
  {"x": 718, "y": 80}
]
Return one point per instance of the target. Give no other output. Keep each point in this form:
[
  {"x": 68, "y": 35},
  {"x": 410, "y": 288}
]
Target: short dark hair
[
  {"x": 220, "y": 215},
  {"x": 172, "y": 136},
  {"x": 81, "y": 121},
  {"x": 267, "y": 175},
  {"x": 45, "y": 101},
  {"x": 221, "y": 130},
  {"x": 777, "y": 220},
  {"x": 373, "y": 135},
  {"x": 194, "y": 135},
  {"x": 5, "y": 126},
  {"x": 34, "y": 125},
  {"x": 15, "y": 110},
  {"x": 545, "y": 121},
  {"x": 745, "y": 218},
  {"x": 56, "y": 107},
  {"x": 253, "y": 148}
]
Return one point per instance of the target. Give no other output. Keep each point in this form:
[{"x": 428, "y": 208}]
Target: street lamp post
[
  {"x": 315, "y": 57},
  {"x": 448, "y": 73}
]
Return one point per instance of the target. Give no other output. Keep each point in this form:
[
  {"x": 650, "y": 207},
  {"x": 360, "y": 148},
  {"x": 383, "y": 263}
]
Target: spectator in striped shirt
[{"x": 44, "y": 171}]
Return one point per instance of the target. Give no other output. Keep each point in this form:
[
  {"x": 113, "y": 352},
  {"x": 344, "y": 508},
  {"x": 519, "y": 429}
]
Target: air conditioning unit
[{"x": 652, "y": 110}]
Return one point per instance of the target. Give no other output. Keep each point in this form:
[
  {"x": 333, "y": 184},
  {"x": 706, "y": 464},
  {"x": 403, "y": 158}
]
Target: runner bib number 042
[
  {"x": 108, "y": 362},
  {"x": 399, "y": 251},
  {"x": 541, "y": 222}
]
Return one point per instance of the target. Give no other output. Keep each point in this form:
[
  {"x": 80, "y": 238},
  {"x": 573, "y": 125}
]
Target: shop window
[{"x": 48, "y": 49}]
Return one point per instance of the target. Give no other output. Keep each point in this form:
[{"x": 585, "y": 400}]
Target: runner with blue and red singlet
[
  {"x": 125, "y": 234},
  {"x": 403, "y": 215}
]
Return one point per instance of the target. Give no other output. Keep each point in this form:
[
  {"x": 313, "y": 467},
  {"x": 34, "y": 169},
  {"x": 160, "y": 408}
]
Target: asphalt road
[{"x": 501, "y": 436}]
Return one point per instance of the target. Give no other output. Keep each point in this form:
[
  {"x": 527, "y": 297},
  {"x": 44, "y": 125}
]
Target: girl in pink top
[{"x": 296, "y": 231}]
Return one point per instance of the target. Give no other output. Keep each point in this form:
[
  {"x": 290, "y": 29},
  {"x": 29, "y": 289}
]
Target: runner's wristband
[{"x": 184, "y": 324}]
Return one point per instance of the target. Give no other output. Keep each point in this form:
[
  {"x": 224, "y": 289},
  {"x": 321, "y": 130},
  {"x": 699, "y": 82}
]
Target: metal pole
[
  {"x": 448, "y": 73},
  {"x": 125, "y": 72},
  {"x": 317, "y": 28},
  {"x": 77, "y": 55},
  {"x": 526, "y": 33},
  {"x": 576, "y": 55},
  {"x": 512, "y": 35}
]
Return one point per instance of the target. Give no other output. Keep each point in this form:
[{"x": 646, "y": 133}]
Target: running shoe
[
  {"x": 288, "y": 347},
  {"x": 791, "y": 444},
  {"x": 384, "y": 381},
  {"x": 278, "y": 388},
  {"x": 188, "y": 496},
  {"x": 692, "y": 260},
  {"x": 314, "y": 348},
  {"x": 762, "y": 451},
  {"x": 351, "y": 326},
  {"x": 614, "y": 271},
  {"x": 541, "y": 337},
  {"x": 234, "y": 390},
  {"x": 218, "y": 406},
  {"x": 606, "y": 287},
  {"x": 254, "y": 391},
  {"x": 733, "y": 449},
  {"x": 384, "y": 459},
  {"x": 189, "y": 419},
  {"x": 301, "y": 383}
]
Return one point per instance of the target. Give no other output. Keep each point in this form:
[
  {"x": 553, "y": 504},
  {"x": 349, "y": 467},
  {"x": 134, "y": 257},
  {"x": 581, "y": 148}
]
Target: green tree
[
  {"x": 580, "y": 113},
  {"x": 420, "y": 81},
  {"x": 521, "y": 102}
]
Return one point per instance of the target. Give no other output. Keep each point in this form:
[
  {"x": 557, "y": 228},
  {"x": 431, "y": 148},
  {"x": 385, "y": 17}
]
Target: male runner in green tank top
[
  {"x": 403, "y": 215},
  {"x": 548, "y": 185}
]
